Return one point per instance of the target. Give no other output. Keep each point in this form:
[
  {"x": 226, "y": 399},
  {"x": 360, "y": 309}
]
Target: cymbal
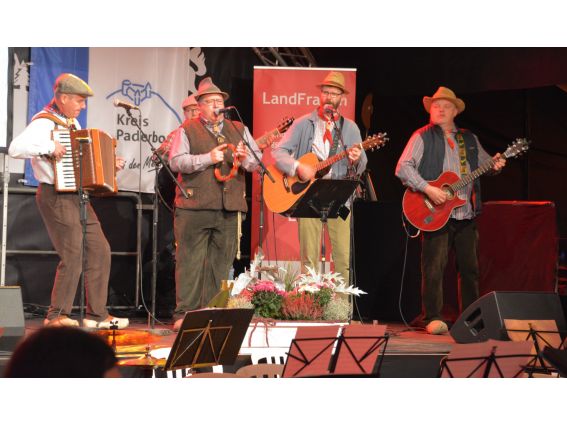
[
  {"x": 130, "y": 350},
  {"x": 144, "y": 361},
  {"x": 129, "y": 336}
]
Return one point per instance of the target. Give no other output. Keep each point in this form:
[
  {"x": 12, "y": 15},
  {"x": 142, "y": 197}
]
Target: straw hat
[
  {"x": 206, "y": 86},
  {"x": 446, "y": 94},
  {"x": 71, "y": 84},
  {"x": 334, "y": 79}
]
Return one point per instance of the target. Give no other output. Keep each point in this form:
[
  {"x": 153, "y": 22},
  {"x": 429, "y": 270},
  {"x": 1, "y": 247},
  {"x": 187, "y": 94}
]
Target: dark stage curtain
[{"x": 518, "y": 246}]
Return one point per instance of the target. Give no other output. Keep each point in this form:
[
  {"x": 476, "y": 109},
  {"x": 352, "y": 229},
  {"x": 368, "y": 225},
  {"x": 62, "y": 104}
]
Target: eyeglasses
[
  {"x": 213, "y": 101},
  {"x": 332, "y": 95}
]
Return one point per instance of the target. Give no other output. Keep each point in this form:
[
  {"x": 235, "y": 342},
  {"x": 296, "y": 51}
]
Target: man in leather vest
[
  {"x": 206, "y": 223},
  {"x": 438, "y": 147}
]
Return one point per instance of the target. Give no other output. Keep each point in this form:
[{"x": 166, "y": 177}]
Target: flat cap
[{"x": 71, "y": 84}]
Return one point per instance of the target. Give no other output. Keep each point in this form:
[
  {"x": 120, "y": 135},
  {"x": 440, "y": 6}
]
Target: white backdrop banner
[{"x": 154, "y": 79}]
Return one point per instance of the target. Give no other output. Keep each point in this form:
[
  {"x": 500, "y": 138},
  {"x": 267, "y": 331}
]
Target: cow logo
[{"x": 138, "y": 93}]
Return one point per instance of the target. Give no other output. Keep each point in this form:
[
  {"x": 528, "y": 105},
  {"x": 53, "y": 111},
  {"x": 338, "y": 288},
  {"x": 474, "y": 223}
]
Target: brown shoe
[
  {"x": 60, "y": 321},
  {"x": 177, "y": 325},
  {"x": 437, "y": 327},
  {"x": 107, "y": 323}
]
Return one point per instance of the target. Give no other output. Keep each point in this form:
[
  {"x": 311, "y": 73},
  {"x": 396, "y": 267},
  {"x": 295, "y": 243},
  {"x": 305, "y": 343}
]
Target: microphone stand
[
  {"x": 83, "y": 206},
  {"x": 263, "y": 171},
  {"x": 155, "y": 206},
  {"x": 260, "y": 163},
  {"x": 261, "y": 222},
  {"x": 351, "y": 174}
]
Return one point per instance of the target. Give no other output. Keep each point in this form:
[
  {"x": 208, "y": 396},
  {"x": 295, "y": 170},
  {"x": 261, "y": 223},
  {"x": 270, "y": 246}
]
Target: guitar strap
[
  {"x": 336, "y": 138},
  {"x": 463, "y": 162},
  {"x": 462, "y": 153}
]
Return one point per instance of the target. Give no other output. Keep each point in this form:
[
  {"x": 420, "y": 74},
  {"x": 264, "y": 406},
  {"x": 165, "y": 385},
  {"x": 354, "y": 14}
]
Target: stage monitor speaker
[
  {"x": 11, "y": 317},
  {"x": 484, "y": 319}
]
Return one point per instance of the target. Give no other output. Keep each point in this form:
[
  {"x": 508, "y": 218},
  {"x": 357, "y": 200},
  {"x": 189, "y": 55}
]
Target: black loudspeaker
[
  {"x": 11, "y": 317},
  {"x": 484, "y": 319}
]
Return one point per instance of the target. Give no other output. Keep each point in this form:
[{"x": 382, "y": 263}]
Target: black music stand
[
  {"x": 325, "y": 199},
  {"x": 310, "y": 351},
  {"x": 209, "y": 337},
  {"x": 489, "y": 359},
  {"x": 360, "y": 351},
  {"x": 324, "y": 351},
  {"x": 556, "y": 358},
  {"x": 543, "y": 333}
]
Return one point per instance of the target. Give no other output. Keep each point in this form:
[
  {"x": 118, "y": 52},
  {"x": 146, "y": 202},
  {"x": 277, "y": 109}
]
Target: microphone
[
  {"x": 219, "y": 111},
  {"x": 125, "y": 105},
  {"x": 329, "y": 110}
]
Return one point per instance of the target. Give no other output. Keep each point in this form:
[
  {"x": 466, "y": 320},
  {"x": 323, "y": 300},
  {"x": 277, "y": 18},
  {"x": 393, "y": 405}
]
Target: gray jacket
[{"x": 298, "y": 140}]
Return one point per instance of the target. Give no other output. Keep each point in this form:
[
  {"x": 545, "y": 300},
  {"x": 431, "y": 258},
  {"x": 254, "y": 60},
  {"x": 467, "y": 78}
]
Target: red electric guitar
[{"x": 423, "y": 214}]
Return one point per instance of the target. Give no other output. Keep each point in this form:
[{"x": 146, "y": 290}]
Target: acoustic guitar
[{"x": 280, "y": 196}]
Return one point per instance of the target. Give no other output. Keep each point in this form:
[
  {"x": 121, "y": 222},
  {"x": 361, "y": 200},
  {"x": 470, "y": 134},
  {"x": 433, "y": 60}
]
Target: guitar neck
[
  {"x": 330, "y": 161},
  {"x": 263, "y": 140},
  {"x": 487, "y": 166}
]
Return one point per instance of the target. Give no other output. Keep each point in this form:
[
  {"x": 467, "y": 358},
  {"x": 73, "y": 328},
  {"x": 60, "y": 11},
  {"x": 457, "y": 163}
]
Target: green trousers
[
  {"x": 206, "y": 247},
  {"x": 310, "y": 230}
]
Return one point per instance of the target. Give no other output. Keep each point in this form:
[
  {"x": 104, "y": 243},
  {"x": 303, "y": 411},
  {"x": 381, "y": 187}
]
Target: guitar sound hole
[{"x": 298, "y": 187}]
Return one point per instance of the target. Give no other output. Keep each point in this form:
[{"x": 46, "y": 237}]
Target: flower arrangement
[{"x": 291, "y": 296}]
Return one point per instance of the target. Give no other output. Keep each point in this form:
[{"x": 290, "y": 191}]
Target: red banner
[{"x": 279, "y": 93}]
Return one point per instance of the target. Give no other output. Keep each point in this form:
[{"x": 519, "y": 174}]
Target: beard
[{"x": 334, "y": 103}]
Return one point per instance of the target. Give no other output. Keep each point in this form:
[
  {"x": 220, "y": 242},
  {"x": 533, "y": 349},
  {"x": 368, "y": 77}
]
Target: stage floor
[{"x": 410, "y": 352}]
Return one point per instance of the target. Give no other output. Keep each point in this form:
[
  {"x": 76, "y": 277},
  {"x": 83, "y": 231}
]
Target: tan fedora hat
[
  {"x": 71, "y": 84},
  {"x": 446, "y": 94},
  {"x": 206, "y": 86},
  {"x": 334, "y": 79},
  {"x": 189, "y": 100}
]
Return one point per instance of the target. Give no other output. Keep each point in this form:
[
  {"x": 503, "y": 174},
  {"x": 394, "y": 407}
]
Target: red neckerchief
[
  {"x": 53, "y": 109},
  {"x": 324, "y": 115}
]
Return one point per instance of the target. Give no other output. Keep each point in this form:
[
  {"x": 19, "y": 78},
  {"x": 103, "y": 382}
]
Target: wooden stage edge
[{"x": 409, "y": 354}]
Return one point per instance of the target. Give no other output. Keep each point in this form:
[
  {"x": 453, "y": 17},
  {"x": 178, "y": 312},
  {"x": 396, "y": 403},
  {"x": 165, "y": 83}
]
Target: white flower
[
  {"x": 308, "y": 288},
  {"x": 240, "y": 283},
  {"x": 311, "y": 282},
  {"x": 352, "y": 290},
  {"x": 256, "y": 263}
]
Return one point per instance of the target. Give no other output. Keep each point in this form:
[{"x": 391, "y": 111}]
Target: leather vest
[
  {"x": 431, "y": 165},
  {"x": 204, "y": 190}
]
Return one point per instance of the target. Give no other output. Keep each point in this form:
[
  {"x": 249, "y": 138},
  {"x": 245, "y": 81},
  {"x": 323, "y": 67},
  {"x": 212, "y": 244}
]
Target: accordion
[{"x": 90, "y": 153}]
